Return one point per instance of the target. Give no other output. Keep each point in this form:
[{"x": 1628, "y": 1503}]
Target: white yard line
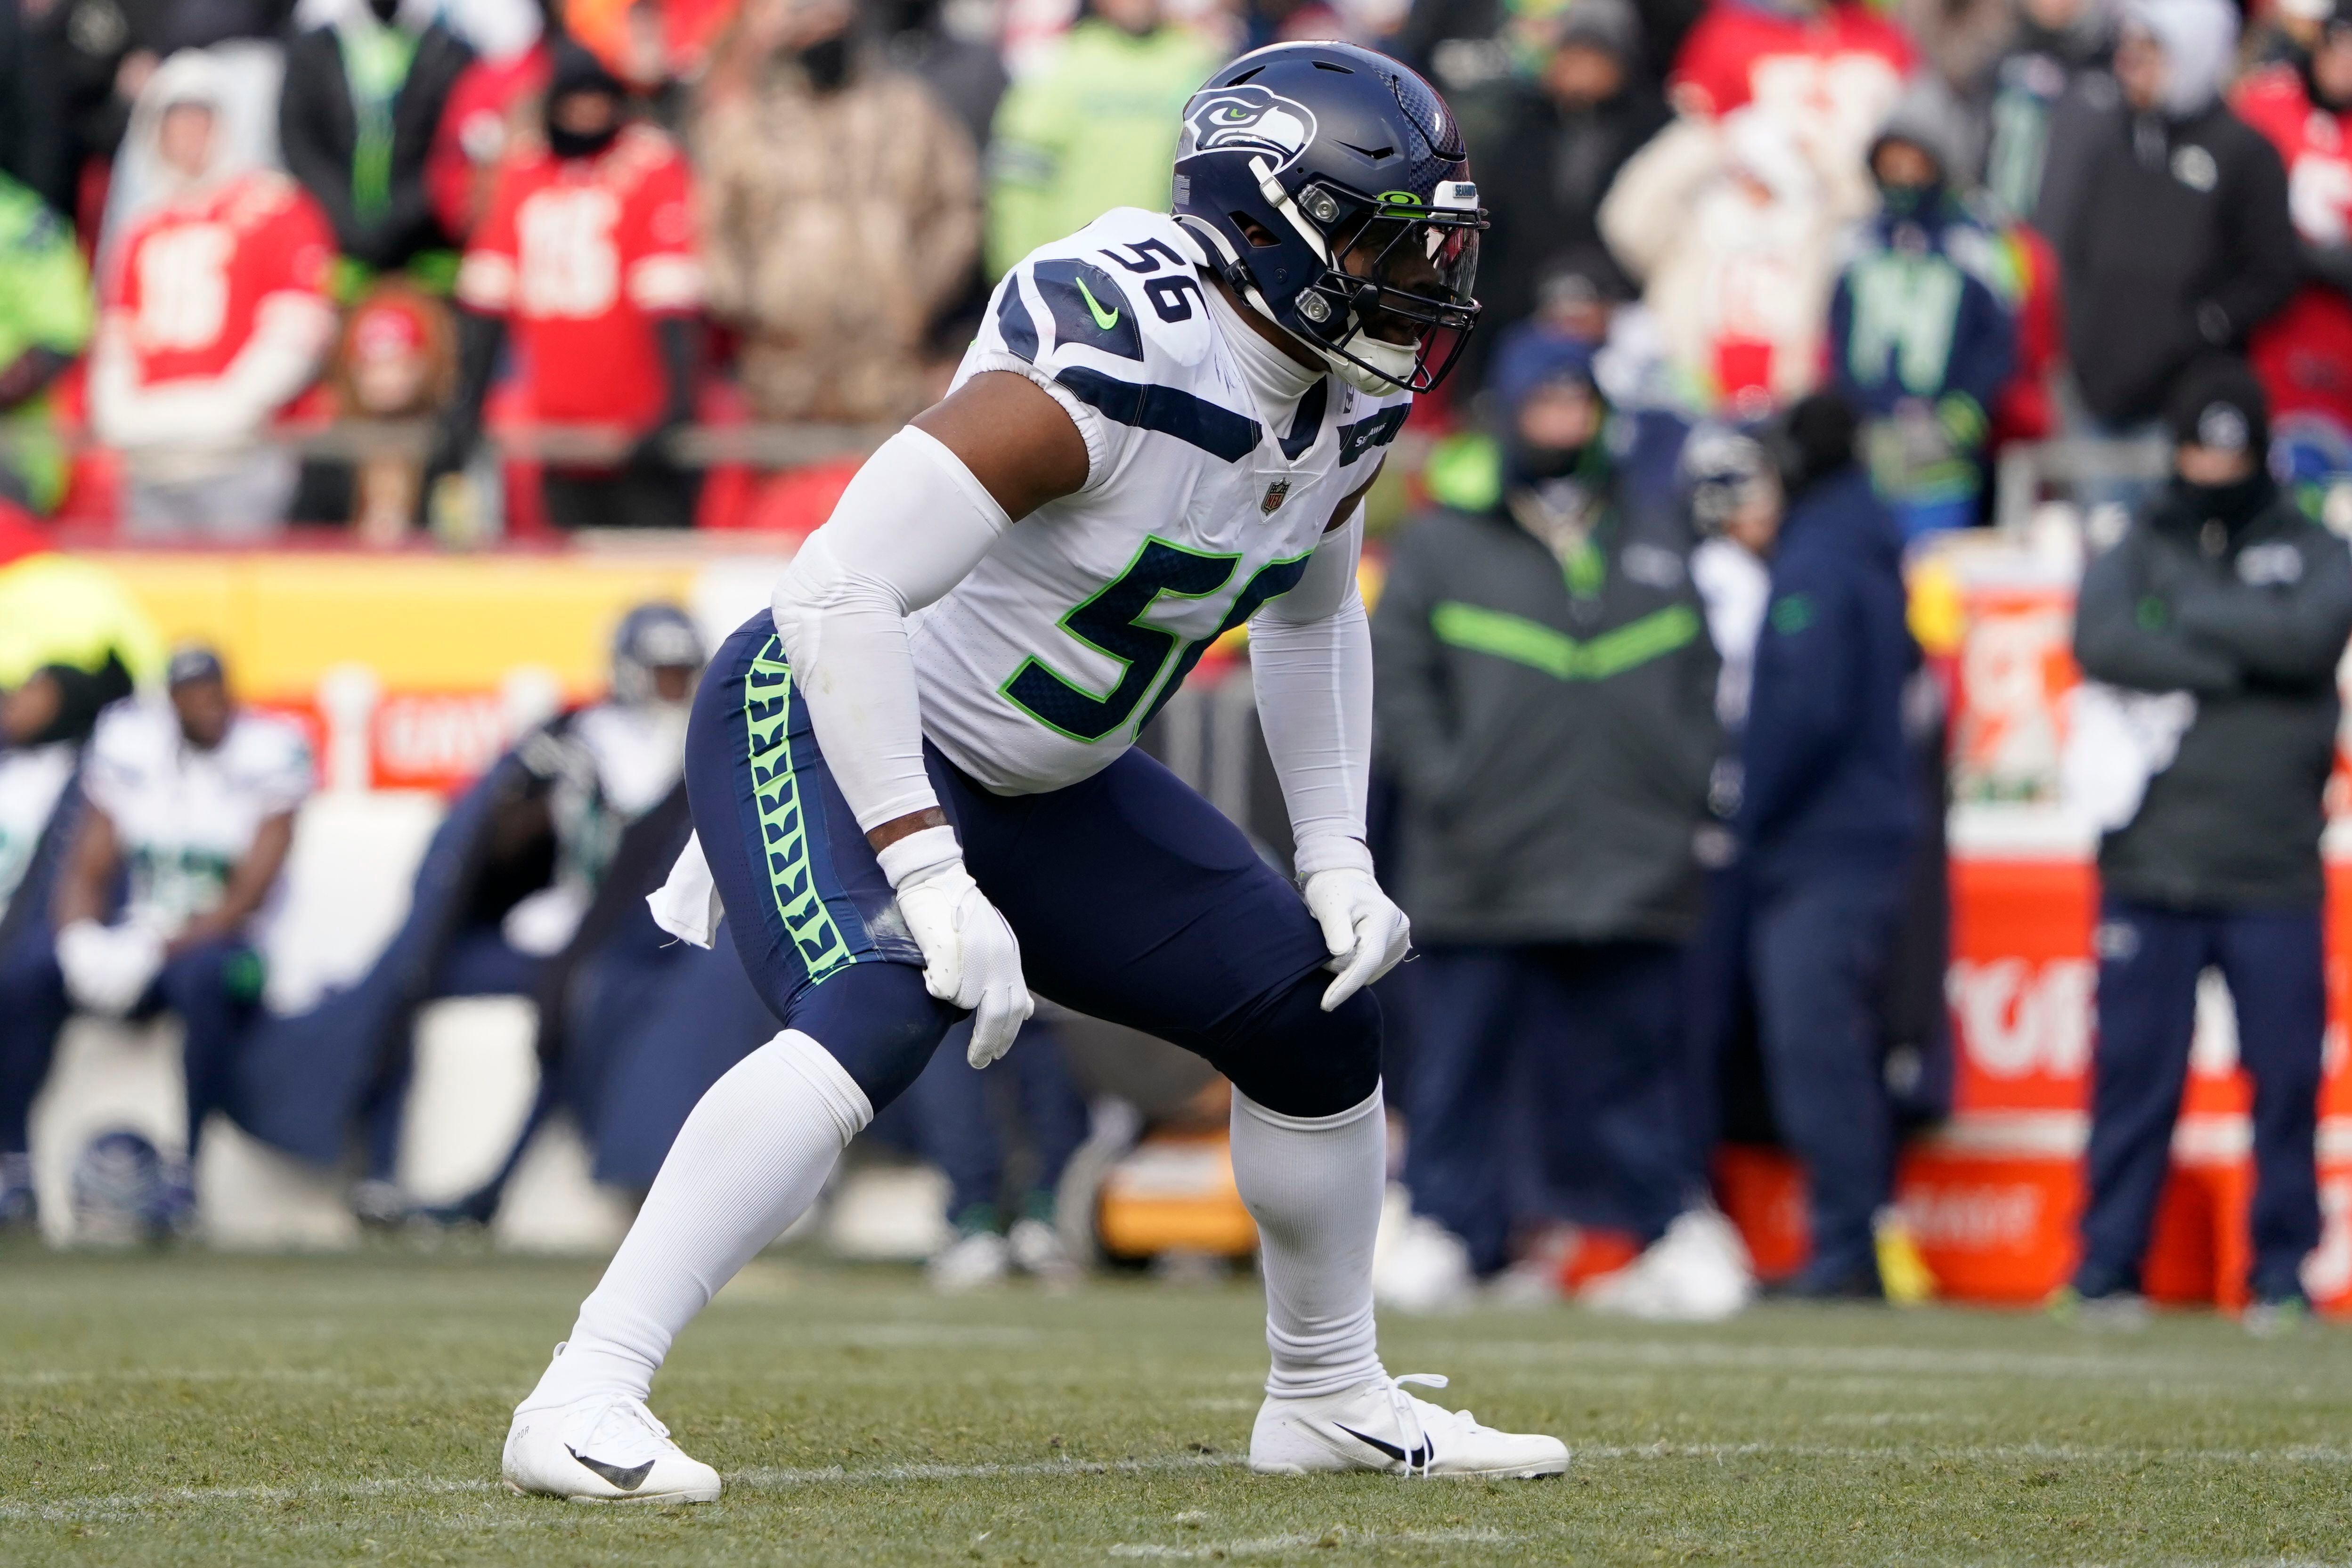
[
  {"x": 56, "y": 1379},
  {"x": 2311, "y": 1454},
  {"x": 1695, "y": 1355},
  {"x": 835, "y": 1475},
  {"x": 128, "y": 1504},
  {"x": 119, "y": 1505},
  {"x": 1267, "y": 1545}
]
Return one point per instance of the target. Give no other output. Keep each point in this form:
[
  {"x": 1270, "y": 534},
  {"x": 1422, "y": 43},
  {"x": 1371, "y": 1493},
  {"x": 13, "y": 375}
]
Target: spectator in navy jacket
[
  {"x": 1920, "y": 338},
  {"x": 1827, "y": 812}
]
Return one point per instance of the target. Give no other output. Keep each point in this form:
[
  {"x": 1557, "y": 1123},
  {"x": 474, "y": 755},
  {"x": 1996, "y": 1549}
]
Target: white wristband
[
  {"x": 917, "y": 856},
  {"x": 1329, "y": 852}
]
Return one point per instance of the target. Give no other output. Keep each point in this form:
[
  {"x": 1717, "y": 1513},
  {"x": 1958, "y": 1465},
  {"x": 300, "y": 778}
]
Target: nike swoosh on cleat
[
  {"x": 1417, "y": 1459},
  {"x": 628, "y": 1478},
  {"x": 1105, "y": 319}
]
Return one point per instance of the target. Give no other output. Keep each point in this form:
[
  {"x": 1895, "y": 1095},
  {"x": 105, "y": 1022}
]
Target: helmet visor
[
  {"x": 1420, "y": 266},
  {"x": 1407, "y": 271}
]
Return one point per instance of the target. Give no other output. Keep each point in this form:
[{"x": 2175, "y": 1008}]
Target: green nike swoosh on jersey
[{"x": 1105, "y": 319}]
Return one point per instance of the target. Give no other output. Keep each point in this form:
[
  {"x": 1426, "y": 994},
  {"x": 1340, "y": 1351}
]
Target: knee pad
[
  {"x": 877, "y": 1021},
  {"x": 1296, "y": 1060}
]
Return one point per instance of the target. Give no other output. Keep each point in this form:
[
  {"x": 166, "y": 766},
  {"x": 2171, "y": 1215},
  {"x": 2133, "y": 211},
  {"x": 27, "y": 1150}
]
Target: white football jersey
[
  {"x": 1042, "y": 665},
  {"x": 639, "y": 750},
  {"x": 186, "y": 817},
  {"x": 31, "y": 782}
]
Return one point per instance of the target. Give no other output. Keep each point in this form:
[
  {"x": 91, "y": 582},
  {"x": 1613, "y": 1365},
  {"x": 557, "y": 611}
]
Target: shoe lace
[
  {"x": 622, "y": 1415},
  {"x": 1420, "y": 1457}
]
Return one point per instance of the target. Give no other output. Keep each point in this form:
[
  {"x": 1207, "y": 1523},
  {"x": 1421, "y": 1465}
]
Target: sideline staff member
[{"x": 2224, "y": 590}]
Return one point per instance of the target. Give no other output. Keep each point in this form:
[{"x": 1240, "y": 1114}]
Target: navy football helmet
[
  {"x": 119, "y": 1190},
  {"x": 650, "y": 637},
  {"x": 1723, "y": 470},
  {"x": 1329, "y": 188}
]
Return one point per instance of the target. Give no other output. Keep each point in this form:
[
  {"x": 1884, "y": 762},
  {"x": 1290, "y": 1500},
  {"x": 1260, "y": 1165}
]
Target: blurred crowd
[
  {"x": 608, "y": 233},
  {"x": 1771, "y": 286}
]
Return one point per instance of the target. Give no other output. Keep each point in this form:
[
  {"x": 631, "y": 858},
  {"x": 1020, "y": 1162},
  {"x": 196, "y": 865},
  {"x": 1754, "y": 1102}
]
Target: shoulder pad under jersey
[
  {"x": 1117, "y": 315},
  {"x": 1126, "y": 287}
]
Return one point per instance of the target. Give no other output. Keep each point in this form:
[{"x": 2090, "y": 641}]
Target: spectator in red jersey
[
  {"x": 1831, "y": 69},
  {"x": 588, "y": 249},
  {"x": 2303, "y": 354},
  {"x": 214, "y": 316}
]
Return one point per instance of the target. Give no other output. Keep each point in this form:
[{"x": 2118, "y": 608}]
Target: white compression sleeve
[
  {"x": 1314, "y": 1185},
  {"x": 752, "y": 1155},
  {"x": 909, "y": 528},
  {"x": 1311, "y": 661}
]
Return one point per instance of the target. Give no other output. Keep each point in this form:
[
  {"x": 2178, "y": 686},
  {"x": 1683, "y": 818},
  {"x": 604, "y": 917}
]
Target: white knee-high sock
[
  {"x": 754, "y": 1154},
  {"x": 1314, "y": 1185}
]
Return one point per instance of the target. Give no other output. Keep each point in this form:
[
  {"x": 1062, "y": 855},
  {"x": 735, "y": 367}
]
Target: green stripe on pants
[{"x": 767, "y": 720}]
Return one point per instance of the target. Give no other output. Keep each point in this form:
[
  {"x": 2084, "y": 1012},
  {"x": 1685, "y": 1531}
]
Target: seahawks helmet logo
[{"x": 1247, "y": 119}]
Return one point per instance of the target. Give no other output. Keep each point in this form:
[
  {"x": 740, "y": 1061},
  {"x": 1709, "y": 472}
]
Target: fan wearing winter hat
[
  {"x": 2172, "y": 230},
  {"x": 1921, "y": 338},
  {"x": 1545, "y": 701},
  {"x": 2224, "y": 590}
]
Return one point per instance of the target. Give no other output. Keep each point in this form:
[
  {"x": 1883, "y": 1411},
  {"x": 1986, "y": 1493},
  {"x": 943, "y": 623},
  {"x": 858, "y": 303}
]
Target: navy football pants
[
  {"x": 2150, "y": 959},
  {"x": 1818, "y": 946},
  {"x": 1564, "y": 1054},
  {"x": 958, "y": 1129},
  {"x": 209, "y": 986},
  {"x": 1133, "y": 899},
  {"x": 33, "y": 1009}
]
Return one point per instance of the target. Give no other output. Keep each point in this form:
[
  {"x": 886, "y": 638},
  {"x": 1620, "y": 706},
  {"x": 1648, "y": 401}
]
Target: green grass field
[{"x": 193, "y": 1408}]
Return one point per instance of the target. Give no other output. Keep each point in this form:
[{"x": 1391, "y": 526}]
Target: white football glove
[
  {"x": 970, "y": 958},
  {"x": 107, "y": 969},
  {"x": 1368, "y": 934}
]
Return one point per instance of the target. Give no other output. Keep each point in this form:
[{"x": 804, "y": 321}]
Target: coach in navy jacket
[
  {"x": 2224, "y": 596},
  {"x": 1828, "y": 811}
]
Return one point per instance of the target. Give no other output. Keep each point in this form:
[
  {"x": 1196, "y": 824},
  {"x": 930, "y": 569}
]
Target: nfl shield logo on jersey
[{"x": 1275, "y": 493}]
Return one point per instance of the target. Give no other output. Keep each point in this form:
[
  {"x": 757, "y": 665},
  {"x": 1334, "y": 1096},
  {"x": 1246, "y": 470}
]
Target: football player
[
  {"x": 915, "y": 787},
  {"x": 191, "y": 803}
]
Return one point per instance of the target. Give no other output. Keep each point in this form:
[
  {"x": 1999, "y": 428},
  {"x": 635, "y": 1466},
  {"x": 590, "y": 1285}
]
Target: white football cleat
[
  {"x": 1698, "y": 1272},
  {"x": 973, "y": 1262},
  {"x": 1035, "y": 1248},
  {"x": 1377, "y": 1426},
  {"x": 1421, "y": 1266},
  {"x": 606, "y": 1447}
]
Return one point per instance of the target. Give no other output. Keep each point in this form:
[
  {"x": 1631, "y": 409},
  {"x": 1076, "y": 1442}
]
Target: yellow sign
[{"x": 419, "y": 622}]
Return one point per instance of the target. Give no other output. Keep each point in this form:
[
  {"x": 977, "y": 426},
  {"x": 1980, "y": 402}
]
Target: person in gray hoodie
[{"x": 1546, "y": 701}]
